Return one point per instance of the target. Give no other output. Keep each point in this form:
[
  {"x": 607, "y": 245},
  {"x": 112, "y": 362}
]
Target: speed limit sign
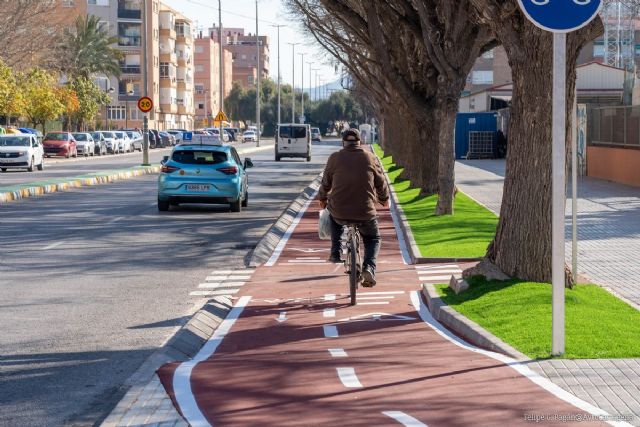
[{"x": 145, "y": 104}]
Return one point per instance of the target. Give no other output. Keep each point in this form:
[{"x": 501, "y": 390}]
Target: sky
[{"x": 241, "y": 14}]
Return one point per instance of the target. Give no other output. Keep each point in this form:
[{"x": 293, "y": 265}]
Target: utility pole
[
  {"x": 279, "y": 75},
  {"x": 302, "y": 89},
  {"x": 315, "y": 89},
  {"x": 258, "y": 80},
  {"x": 221, "y": 60},
  {"x": 293, "y": 87},
  {"x": 145, "y": 86}
]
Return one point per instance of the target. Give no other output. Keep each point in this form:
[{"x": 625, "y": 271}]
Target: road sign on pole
[
  {"x": 145, "y": 104},
  {"x": 221, "y": 117},
  {"x": 559, "y": 17}
]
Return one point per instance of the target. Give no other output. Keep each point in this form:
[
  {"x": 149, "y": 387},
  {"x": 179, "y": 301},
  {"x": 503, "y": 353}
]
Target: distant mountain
[{"x": 324, "y": 91}]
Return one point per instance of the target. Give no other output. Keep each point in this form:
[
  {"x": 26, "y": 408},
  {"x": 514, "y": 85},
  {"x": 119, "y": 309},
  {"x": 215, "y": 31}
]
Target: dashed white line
[
  {"x": 381, "y": 293},
  {"x": 348, "y": 377},
  {"x": 374, "y": 303},
  {"x": 435, "y": 267},
  {"x": 330, "y": 297},
  {"x": 233, "y": 277},
  {"x": 337, "y": 352},
  {"x": 215, "y": 278},
  {"x": 376, "y": 297},
  {"x": 436, "y": 277},
  {"x": 330, "y": 331},
  {"x": 307, "y": 261},
  {"x": 404, "y": 419},
  {"x": 225, "y": 272},
  {"x": 53, "y": 245},
  {"x": 209, "y": 285},
  {"x": 329, "y": 312},
  {"x": 214, "y": 293}
]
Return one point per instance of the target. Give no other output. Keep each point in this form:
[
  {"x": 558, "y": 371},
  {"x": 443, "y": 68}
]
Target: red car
[{"x": 60, "y": 144}]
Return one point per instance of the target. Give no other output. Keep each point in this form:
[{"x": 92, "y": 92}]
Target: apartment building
[
  {"x": 207, "y": 78},
  {"x": 169, "y": 63},
  {"x": 243, "y": 50}
]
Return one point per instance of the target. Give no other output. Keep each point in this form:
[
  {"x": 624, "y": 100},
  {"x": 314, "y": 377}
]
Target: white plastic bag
[{"x": 324, "y": 225}]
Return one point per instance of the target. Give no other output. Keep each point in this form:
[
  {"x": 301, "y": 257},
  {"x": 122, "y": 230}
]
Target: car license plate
[{"x": 198, "y": 188}]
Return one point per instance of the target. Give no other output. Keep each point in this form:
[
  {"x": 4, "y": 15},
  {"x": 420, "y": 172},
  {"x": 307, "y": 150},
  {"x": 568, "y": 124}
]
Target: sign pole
[
  {"x": 145, "y": 141},
  {"x": 574, "y": 189},
  {"x": 558, "y": 198}
]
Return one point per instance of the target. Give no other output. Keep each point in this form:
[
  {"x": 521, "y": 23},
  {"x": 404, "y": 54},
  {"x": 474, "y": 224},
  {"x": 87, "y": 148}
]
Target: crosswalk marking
[
  {"x": 223, "y": 282},
  {"x": 432, "y": 278}
]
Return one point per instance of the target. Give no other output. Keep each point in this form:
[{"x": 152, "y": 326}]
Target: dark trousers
[{"x": 370, "y": 239}]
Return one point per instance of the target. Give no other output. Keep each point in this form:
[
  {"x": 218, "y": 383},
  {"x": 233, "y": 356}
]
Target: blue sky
[{"x": 241, "y": 13}]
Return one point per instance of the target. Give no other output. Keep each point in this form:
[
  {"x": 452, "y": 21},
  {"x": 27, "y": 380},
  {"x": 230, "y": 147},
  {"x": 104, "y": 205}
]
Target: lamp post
[
  {"x": 293, "y": 87},
  {"x": 221, "y": 70},
  {"x": 302, "y": 89},
  {"x": 106, "y": 107},
  {"x": 206, "y": 109},
  {"x": 257, "y": 82},
  {"x": 315, "y": 97},
  {"x": 279, "y": 75},
  {"x": 145, "y": 85},
  {"x": 126, "y": 110}
]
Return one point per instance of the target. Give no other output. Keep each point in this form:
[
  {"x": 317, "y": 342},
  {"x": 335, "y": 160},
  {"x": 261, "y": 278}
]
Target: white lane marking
[
  {"x": 381, "y": 293},
  {"x": 376, "y": 317},
  {"x": 215, "y": 278},
  {"x": 330, "y": 331},
  {"x": 337, "y": 352},
  {"x": 213, "y": 293},
  {"x": 520, "y": 367},
  {"x": 228, "y": 284},
  {"x": 404, "y": 419},
  {"x": 348, "y": 377},
  {"x": 309, "y": 250},
  {"x": 431, "y": 278},
  {"x": 115, "y": 220},
  {"x": 232, "y": 277},
  {"x": 437, "y": 267},
  {"x": 329, "y": 297},
  {"x": 53, "y": 245},
  {"x": 307, "y": 261},
  {"x": 376, "y": 297},
  {"x": 287, "y": 235},
  {"x": 308, "y": 257},
  {"x": 329, "y": 312},
  {"x": 209, "y": 285},
  {"x": 439, "y": 271},
  {"x": 182, "y": 376},
  {"x": 374, "y": 303},
  {"x": 225, "y": 272},
  {"x": 282, "y": 317}
]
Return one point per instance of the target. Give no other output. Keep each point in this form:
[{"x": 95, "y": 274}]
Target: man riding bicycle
[{"x": 353, "y": 182}]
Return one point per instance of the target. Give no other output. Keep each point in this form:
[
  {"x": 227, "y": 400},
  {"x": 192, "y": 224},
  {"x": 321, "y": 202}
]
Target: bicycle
[{"x": 353, "y": 263}]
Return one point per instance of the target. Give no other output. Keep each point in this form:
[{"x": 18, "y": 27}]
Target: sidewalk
[{"x": 608, "y": 224}]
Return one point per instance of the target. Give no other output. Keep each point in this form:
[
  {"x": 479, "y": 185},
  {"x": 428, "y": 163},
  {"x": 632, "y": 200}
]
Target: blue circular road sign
[{"x": 560, "y": 16}]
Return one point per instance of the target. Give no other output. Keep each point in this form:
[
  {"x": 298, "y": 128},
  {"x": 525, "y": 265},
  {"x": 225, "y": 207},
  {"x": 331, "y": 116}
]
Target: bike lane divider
[{"x": 369, "y": 364}]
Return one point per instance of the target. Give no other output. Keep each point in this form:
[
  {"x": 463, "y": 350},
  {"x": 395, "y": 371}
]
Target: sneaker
[
  {"x": 368, "y": 277},
  {"x": 335, "y": 259}
]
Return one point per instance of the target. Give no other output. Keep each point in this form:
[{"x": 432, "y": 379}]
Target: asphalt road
[
  {"x": 94, "y": 280},
  {"x": 61, "y": 167}
]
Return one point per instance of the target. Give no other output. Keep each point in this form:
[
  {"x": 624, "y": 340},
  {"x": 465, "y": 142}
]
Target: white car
[
  {"x": 110, "y": 140},
  {"x": 249, "y": 135},
  {"x": 136, "y": 139},
  {"x": 85, "y": 143},
  {"x": 124, "y": 142},
  {"x": 21, "y": 151},
  {"x": 216, "y": 132}
]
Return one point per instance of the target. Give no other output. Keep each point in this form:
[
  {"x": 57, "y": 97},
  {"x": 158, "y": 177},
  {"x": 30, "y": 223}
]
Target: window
[
  {"x": 598, "y": 50},
  {"x": 98, "y": 2},
  {"x": 199, "y": 68},
  {"x": 250, "y": 79},
  {"x": 199, "y": 49},
  {"x": 129, "y": 34},
  {"x": 68, "y": 3},
  {"x": 482, "y": 77},
  {"x": 293, "y": 132},
  {"x": 116, "y": 112},
  {"x": 200, "y": 106},
  {"x": 189, "y": 157},
  {"x": 164, "y": 70}
]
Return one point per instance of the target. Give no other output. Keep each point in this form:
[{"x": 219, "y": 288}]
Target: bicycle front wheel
[{"x": 353, "y": 271}]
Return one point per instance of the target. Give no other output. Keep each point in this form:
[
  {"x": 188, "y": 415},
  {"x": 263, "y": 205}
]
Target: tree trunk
[{"x": 447, "y": 110}]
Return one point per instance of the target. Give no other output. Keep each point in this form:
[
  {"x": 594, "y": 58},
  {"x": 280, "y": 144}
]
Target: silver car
[
  {"x": 85, "y": 144},
  {"x": 136, "y": 139}
]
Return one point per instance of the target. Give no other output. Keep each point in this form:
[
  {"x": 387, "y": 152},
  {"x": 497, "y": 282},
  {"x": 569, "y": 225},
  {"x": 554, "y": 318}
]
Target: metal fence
[{"x": 615, "y": 126}]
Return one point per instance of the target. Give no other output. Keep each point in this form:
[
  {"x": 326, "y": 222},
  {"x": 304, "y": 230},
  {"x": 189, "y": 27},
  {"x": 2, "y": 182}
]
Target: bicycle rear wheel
[{"x": 353, "y": 271}]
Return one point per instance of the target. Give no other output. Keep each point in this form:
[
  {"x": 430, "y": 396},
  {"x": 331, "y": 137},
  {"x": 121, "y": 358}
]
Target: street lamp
[
  {"x": 106, "y": 107},
  {"x": 302, "y": 89},
  {"x": 316, "y": 88},
  {"x": 126, "y": 110},
  {"x": 293, "y": 87},
  {"x": 279, "y": 76},
  {"x": 221, "y": 70},
  {"x": 258, "y": 130}
]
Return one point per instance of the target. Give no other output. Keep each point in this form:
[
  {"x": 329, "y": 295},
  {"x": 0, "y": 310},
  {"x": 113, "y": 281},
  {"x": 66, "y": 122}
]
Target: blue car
[{"x": 204, "y": 174}]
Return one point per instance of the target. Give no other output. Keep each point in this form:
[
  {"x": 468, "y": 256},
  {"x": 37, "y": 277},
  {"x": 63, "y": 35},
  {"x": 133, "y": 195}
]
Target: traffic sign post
[
  {"x": 559, "y": 17},
  {"x": 145, "y": 104}
]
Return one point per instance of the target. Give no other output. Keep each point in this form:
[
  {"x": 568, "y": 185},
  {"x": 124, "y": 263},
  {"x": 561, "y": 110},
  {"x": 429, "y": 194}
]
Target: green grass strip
[
  {"x": 598, "y": 325},
  {"x": 465, "y": 234}
]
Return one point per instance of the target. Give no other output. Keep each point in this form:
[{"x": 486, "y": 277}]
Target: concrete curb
[
  {"x": 184, "y": 345},
  {"x": 465, "y": 328},
  {"x": 75, "y": 182},
  {"x": 264, "y": 249}
]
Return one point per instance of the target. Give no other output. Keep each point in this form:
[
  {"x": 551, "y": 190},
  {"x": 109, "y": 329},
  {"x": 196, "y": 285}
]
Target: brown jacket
[{"x": 353, "y": 182}]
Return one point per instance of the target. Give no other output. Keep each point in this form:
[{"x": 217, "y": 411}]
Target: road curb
[
  {"x": 265, "y": 247},
  {"x": 184, "y": 345},
  {"x": 74, "y": 182},
  {"x": 466, "y": 328}
]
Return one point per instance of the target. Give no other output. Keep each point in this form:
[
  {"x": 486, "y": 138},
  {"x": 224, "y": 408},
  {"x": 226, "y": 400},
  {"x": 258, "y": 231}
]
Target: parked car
[
  {"x": 21, "y": 151},
  {"x": 249, "y": 135},
  {"x": 110, "y": 141},
  {"x": 177, "y": 134},
  {"x": 85, "y": 143},
  {"x": 197, "y": 173},
  {"x": 159, "y": 142},
  {"x": 100, "y": 143},
  {"x": 136, "y": 139},
  {"x": 168, "y": 140},
  {"x": 315, "y": 134},
  {"x": 124, "y": 143},
  {"x": 60, "y": 144},
  {"x": 216, "y": 132}
]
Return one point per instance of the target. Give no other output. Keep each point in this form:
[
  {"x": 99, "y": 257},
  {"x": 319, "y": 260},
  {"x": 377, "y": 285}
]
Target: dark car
[
  {"x": 159, "y": 143},
  {"x": 168, "y": 140},
  {"x": 101, "y": 143}
]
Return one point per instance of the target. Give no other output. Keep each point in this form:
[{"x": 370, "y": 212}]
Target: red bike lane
[{"x": 292, "y": 352}]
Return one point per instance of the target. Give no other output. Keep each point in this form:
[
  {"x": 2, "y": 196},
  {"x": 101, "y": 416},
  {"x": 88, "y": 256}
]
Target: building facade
[
  {"x": 244, "y": 54},
  {"x": 207, "y": 79},
  {"x": 169, "y": 61}
]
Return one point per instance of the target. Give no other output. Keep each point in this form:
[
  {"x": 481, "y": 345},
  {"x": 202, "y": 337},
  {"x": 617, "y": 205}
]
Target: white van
[{"x": 293, "y": 140}]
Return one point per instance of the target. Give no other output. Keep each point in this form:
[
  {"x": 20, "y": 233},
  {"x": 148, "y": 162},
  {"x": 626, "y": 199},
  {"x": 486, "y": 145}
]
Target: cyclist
[{"x": 353, "y": 182}]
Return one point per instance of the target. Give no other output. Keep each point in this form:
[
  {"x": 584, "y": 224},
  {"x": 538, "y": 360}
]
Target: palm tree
[{"x": 88, "y": 51}]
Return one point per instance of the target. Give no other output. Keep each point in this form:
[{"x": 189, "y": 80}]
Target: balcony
[
  {"x": 130, "y": 69},
  {"x": 125, "y": 97},
  {"x": 168, "y": 57},
  {"x": 129, "y": 13},
  {"x": 130, "y": 41}
]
